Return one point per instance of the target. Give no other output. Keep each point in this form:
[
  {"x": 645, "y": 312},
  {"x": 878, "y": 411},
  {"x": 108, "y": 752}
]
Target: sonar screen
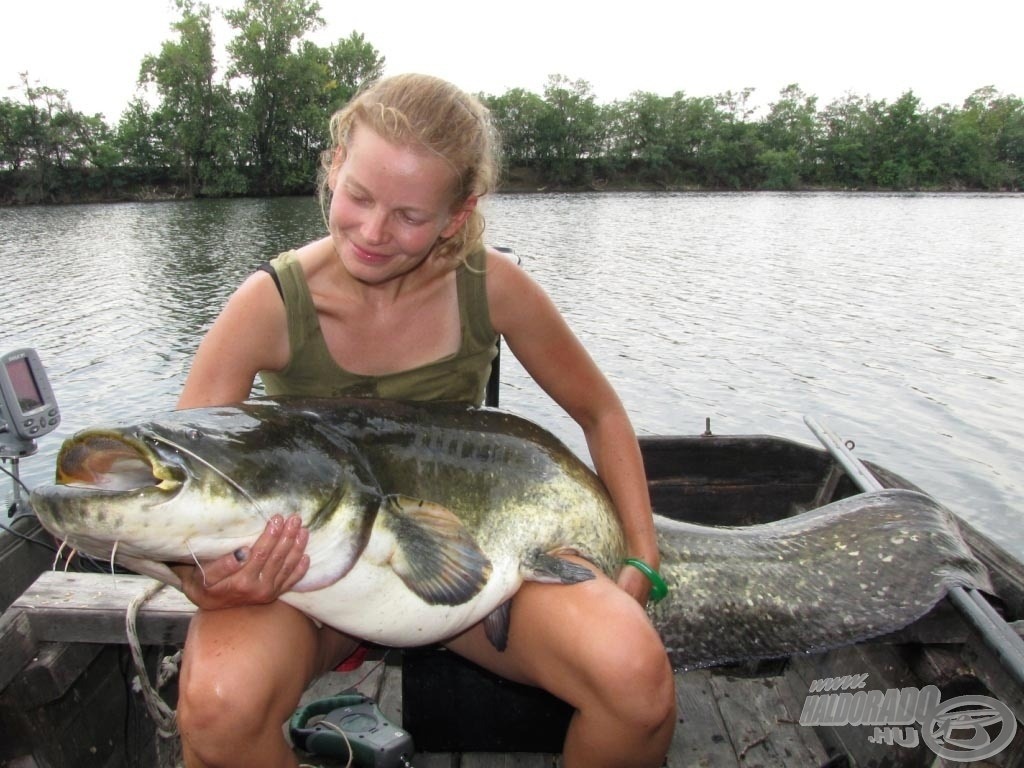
[{"x": 28, "y": 408}]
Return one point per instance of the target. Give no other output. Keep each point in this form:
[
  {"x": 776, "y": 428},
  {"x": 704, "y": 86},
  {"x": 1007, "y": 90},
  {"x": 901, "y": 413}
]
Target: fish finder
[{"x": 28, "y": 409}]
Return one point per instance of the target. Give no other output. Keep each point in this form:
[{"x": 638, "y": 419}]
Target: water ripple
[{"x": 893, "y": 317}]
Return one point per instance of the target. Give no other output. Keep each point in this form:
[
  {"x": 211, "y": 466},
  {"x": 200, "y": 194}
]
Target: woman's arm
[
  {"x": 249, "y": 335},
  {"x": 542, "y": 341}
]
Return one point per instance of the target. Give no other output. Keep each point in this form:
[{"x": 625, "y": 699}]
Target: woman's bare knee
[
  {"x": 628, "y": 714},
  {"x": 633, "y": 677},
  {"x": 223, "y": 710},
  {"x": 243, "y": 673}
]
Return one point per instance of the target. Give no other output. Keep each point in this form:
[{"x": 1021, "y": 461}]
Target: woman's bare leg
[
  {"x": 243, "y": 673},
  {"x": 593, "y": 646}
]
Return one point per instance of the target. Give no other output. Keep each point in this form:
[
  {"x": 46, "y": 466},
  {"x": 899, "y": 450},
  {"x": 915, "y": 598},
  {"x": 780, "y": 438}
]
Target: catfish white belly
[{"x": 381, "y": 609}]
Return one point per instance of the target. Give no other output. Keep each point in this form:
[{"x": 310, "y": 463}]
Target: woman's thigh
[
  {"x": 574, "y": 640},
  {"x": 271, "y": 649}
]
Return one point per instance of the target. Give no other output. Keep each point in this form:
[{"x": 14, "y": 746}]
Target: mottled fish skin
[
  {"x": 425, "y": 519},
  {"x": 851, "y": 570}
]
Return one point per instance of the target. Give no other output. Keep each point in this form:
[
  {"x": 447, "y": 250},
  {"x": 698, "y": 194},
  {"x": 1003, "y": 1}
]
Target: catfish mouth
[{"x": 113, "y": 462}]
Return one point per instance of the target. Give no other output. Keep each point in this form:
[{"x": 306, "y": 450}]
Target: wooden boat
[{"x": 65, "y": 672}]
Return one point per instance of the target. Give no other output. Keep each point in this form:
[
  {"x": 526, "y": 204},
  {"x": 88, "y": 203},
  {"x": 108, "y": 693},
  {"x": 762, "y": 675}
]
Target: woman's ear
[{"x": 459, "y": 216}]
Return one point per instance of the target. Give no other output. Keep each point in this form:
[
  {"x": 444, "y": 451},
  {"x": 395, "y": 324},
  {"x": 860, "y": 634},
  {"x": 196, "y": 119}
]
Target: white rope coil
[{"x": 163, "y": 716}]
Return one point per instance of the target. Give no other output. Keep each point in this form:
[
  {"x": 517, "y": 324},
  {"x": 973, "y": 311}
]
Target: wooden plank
[
  {"x": 435, "y": 760},
  {"x": 22, "y": 559},
  {"x": 701, "y": 737},
  {"x": 84, "y": 728},
  {"x": 991, "y": 672},
  {"x": 50, "y": 674},
  {"x": 762, "y": 729},
  {"x": 941, "y": 665},
  {"x": 506, "y": 760},
  {"x": 390, "y": 698},
  {"x": 90, "y": 607},
  {"x": 18, "y": 645},
  {"x": 367, "y": 679},
  {"x": 886, "y": 668}
]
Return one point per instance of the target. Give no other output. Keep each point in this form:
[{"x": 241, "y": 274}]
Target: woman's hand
[
  {"x": 635, "y": 584},
  {"x": 251, "y": 575}
]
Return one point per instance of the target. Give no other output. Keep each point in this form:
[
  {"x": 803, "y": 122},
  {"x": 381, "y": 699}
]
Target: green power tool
[{"x": 351, "y": 722}]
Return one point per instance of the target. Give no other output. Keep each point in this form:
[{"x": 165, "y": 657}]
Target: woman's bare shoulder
[{"x": 316, "y": 256}]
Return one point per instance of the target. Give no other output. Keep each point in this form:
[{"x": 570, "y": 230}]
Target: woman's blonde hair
[{"x": 426, "y": 112}]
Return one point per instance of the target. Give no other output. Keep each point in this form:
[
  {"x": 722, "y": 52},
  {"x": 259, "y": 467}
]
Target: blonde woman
[{"x": 402, "y": 300}]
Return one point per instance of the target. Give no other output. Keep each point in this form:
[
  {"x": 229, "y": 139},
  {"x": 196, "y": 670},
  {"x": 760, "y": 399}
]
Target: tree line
[
  {"x": 260, "y": 126},
  {"x": 257, "y": 129}
]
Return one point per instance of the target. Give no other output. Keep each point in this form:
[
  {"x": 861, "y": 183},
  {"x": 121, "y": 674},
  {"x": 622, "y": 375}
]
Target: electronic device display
[{"x": 28, "y": 408}]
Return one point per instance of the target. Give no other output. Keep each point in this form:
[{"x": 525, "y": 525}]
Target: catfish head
[{"x": 193, "y": 485}]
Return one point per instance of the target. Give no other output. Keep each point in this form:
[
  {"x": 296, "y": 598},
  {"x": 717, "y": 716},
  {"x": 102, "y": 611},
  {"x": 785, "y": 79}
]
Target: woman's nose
[{"x": 375, "y": 226}]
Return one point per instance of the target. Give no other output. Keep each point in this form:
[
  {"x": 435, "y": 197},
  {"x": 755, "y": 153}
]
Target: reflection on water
[{"x": 893, "y": 318}]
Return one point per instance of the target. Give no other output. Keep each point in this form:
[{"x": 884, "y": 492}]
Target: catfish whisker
[
  {"x": 60, "y": 551},
  {"x": 113, "y": 556},
  {"x": 198, "y": 564},
  {"x": 67, "y": 563}
]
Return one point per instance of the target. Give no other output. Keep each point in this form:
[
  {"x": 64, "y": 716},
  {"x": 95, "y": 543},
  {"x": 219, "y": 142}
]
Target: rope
[
  {"x": 331, "y": 726},
  {"x": 163, "y": 716}
]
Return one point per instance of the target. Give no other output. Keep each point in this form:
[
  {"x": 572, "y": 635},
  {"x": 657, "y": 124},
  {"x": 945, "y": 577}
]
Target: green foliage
[
  {"x": 351, "y": 62},
  {"x": 258, "y": 130},
  {"x": 642, "y": 129},
  {"x": 51, "y": 151},
  {"x": 566, "y": 139},
  {"x": 789, "y": 133},
  {"x": 261, "y": 127},
  {"x": 570, "y": 132},
  {"x": 187, "y": 123},
  {"x": 278, "y": 78},
  {"x": 984, "y": 139},
  {"x": 844, "y": 148},
  {"x": 515, "y": 115}
]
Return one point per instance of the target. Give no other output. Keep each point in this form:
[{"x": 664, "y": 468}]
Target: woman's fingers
[
  {"x": 253, "y": 575},
  {"x": 281, "y": 559}
]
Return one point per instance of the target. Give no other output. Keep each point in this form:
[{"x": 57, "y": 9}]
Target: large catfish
[{"x": 425, "y": 519}]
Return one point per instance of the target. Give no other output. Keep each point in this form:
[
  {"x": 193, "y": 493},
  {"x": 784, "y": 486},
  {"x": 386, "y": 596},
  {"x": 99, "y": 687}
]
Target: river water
[{"x": 894, "y": 319}]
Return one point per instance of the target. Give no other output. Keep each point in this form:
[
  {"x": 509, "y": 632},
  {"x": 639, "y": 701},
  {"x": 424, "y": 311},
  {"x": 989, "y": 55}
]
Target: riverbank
[{"x": 516, "y": 181}]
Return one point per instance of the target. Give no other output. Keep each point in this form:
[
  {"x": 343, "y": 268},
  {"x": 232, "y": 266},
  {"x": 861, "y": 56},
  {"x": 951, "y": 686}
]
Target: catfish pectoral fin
[
  {"x": 435, "y": 555},
  {"x": 496, "y": 625},
  {"x": 549, "y": 569}
]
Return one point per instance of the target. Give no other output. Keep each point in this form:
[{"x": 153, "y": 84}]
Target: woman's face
[{"x": 390, "y": 205}]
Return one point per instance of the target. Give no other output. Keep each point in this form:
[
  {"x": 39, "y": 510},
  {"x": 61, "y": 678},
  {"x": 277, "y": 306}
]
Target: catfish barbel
[{"x": 425, "y": 519}]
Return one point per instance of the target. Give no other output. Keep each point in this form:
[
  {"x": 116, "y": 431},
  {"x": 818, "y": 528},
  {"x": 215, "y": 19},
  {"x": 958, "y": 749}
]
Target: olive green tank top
[{"x": 312, "y": 372}]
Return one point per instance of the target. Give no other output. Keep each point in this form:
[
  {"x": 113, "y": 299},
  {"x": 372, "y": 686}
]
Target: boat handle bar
[{"x": 854, "y": 467}]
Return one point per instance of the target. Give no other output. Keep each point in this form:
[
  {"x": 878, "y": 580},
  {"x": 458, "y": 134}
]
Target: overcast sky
[{"x": 941, "y": 50}]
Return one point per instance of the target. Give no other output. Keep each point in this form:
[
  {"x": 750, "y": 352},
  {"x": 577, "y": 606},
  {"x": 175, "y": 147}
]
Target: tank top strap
[
  {"x": 474, "y": 312},
  {"x": 305, "y": 338}
]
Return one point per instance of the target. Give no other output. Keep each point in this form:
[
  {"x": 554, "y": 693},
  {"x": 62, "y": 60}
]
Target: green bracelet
[{"x": 658, "y": 586}]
